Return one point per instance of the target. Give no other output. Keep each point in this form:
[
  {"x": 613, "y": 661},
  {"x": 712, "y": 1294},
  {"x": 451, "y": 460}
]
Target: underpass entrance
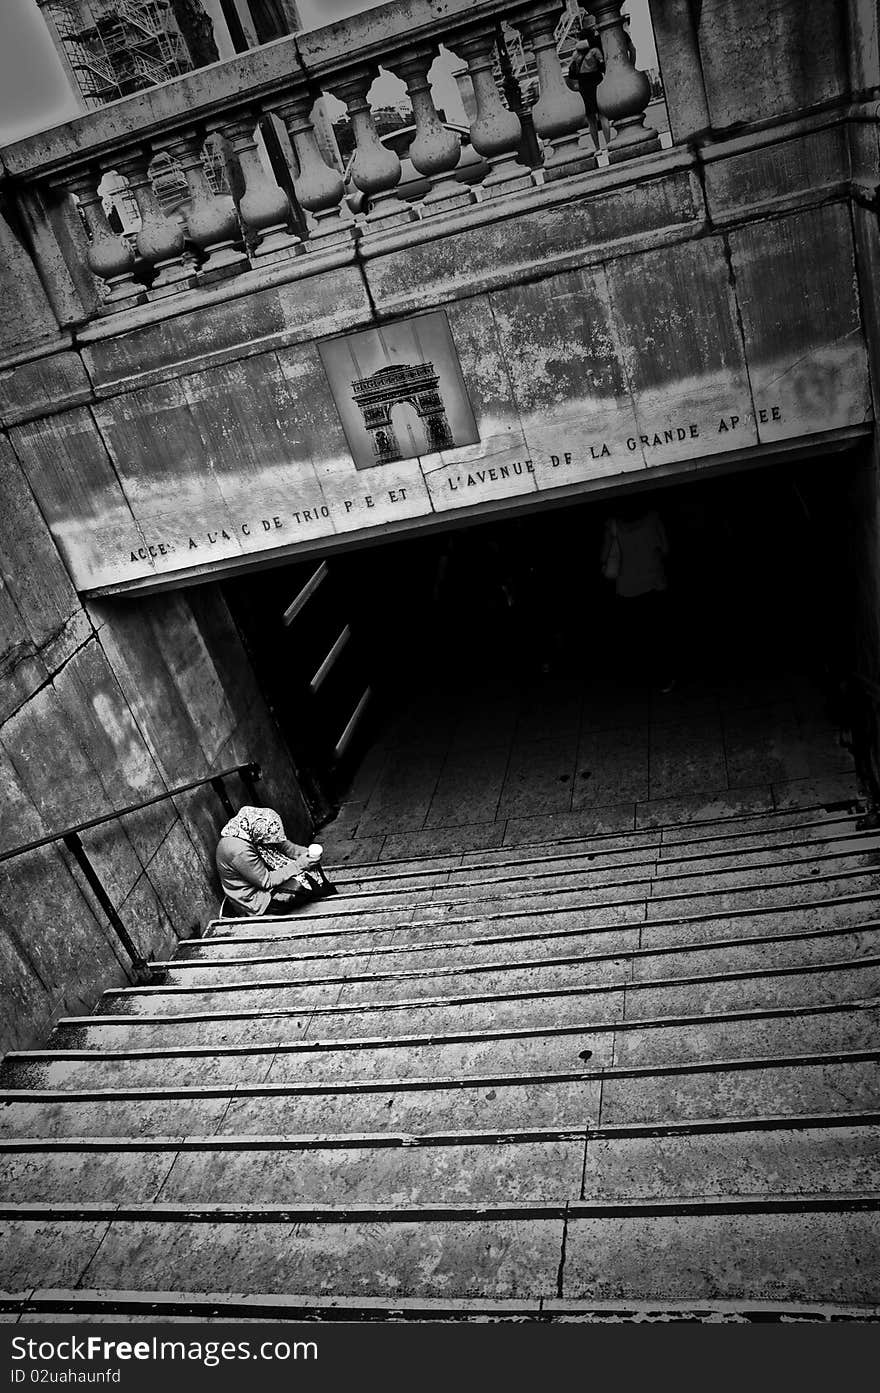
[{"x": 493, "y": 672}]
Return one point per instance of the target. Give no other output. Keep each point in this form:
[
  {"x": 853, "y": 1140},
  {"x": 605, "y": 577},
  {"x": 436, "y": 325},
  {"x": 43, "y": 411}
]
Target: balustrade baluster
[
  {"x": 435, "y": 150},
  {"x": 211, "y": 220},
  {"x": 264, "y": 207},
  {"x": 376, "y": 170},
  {"x": 624, "y": 92},
  {"x": 319, "y": 189},
  {"x": 559, "y": 114},
  {"x": 110, "y": 255},
  {"x": 495, "y": 131},
  {"x": 160, "y": 240}
]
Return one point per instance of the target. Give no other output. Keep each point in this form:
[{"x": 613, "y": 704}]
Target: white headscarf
[{"x": 262, "y": 828}]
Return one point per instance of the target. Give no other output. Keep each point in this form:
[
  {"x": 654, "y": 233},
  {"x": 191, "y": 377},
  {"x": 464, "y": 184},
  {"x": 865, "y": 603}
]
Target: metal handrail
[{"x": 250, "y": 774}]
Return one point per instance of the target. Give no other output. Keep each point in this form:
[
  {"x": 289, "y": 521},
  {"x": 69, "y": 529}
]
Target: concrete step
[
  {"x": 671, "y": 877},
  {"x": 182, "y": 1308},
  {"x": 255, "y": 989},
  {"x": 544, "y": 1010},
  {"x": 656, "y": 900},
  {"x": 663, "y": 1040},
  {"x": 845, "y": 911},
  {"x": 812, "y": 1160},
  {"x": 803, "y": 819},
  {"x": 797, "y": 1250},
  {"x": 709, "y": 829},
  {"x": 693, "y": 838},
  {"x": 669, "y": 1040},
  {"x": 767, "y": 829},
  {"x": 532, "y": 1101},
  {"x": 821, "y": 867},
  {"x": 723, "y": 1091},
  {"x": 444, "y": 958},
  {"x": 217, "y": 955},
  {"x": 745, "y": 1035},
  {"x": 725, "y": 1255},
  {"x": 484, "y": 1172},
  {"x": 365, "y": 930},
  {"x": 610, "y": 926},
  {"x": 608, "y": 884},
  {"x": 772, "y": 1161},
  {"x": 722, "y": 858},
  {"x": 820, "y": 985},
  {"x": 828, "y": 1083},
  {"x": 747, "y": 897},
  {"x": 665, "y": 861},
  {"x": 542, "y": 1052},
  {"x": 618, "y": 843}
]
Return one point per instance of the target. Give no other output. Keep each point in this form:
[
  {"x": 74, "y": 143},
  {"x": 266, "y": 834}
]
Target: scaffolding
[{"x": 116, "y": 47}]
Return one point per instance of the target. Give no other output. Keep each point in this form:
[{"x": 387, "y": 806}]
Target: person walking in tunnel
[
  {"x": 261, "y": 871},
  {"x": 635, "y": 551}
]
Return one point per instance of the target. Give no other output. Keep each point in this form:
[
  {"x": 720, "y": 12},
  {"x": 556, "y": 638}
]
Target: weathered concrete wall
[
  {"x": 620, "y": 326},
  {"x": 765, "y": 58},
  {"x": 101, "y": 707}
]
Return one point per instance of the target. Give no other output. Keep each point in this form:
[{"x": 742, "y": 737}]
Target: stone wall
[{"x": 102, "y": 706}]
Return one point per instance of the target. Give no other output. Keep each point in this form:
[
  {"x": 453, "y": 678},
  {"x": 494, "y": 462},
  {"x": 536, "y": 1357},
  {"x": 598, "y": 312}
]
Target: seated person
[{"x": 261, "y": 872}]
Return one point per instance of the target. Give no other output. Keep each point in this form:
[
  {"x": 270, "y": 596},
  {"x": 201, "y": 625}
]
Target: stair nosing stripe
[
  {"x": 635, "y": 1131},
  {"x": 307, "y": 1307},
  {"x": 277, "y": 984},
  {"x": 310, "y": 1308},
  {"x": 424, "y": 1084},
  {"x": 442, "y": 945},
  {"x": 849, "y": 1202}
]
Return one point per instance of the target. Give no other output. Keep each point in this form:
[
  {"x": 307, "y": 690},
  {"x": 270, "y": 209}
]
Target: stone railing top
[{"x": 272, "y": 70}]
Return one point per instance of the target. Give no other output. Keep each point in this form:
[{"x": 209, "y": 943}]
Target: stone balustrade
[{"x": 214, "y": 235}]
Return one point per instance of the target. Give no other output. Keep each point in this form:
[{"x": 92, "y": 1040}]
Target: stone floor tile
[
  {"x": 469, "y": 787},
  {"x": 438, "y": 840},
  {"x": 612, "y": 767},
  {"x": 687, "y": 758},
  {"x": 540, "y": 779},
  {"x": 403, "y": 793}
]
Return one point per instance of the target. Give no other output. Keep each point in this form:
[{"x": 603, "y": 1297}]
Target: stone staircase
[{"x": 630, "y": 1076}]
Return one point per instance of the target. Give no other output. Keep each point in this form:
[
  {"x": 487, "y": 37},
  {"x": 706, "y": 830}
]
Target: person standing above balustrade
[{"x": 585, "y": 73}]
